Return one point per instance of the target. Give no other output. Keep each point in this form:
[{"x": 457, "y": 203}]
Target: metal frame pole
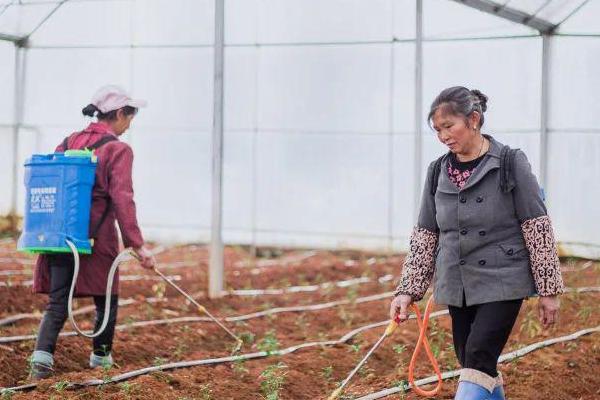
[
  {"x": 545, "y": 98},
  {"x": 215, "y": 275},
  {"x": 418, "y": 108},
  {"x": 255, "y": 132},
  {"x": 19, "y": 95},
  {"x": 390, "y": 138}
]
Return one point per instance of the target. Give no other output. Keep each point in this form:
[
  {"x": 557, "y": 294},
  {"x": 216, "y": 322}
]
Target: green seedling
[
  {"x": 128, "y": 388},
  {"x": 402, "y": 384},
  {"x": 239, "y": 367},
  {"x": 180, "y": 350},
  {"x": 247, "y": 337},
  {"x": 399, "y": 348},
  {"x": 158, "y": 361},
  {"x": 60, "y": 386},
  {"x": 346, "y": 316},
  {"x": 327, "y": 372},
  {"x": 7, "y": 394},
  {"x": 269, "y": 343},
  {"x": 205, "y": 392},
  {"x": 159, "y": 290},
  {"x": 129, "y": 320},
  {"x": 585, "y": 312},
  {"x": 273, "y": 379},
  {"x": 355, "y": 347},
  {"x": 29, "y": 365},
  {"x": 530, "y": 325},
  {"x": 365, "y": 371},
  {"x": 302, "y": 323}
]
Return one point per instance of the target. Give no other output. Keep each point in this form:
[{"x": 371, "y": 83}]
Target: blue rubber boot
[
  {"x": 41, "y": 365},
  {"x": 105, "y": 362},
  {"x": 498, "y": 393},
  {"x": 471, "y": 391}
]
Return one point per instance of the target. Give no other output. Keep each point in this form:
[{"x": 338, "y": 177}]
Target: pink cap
[{"x": 111, "y": 97}]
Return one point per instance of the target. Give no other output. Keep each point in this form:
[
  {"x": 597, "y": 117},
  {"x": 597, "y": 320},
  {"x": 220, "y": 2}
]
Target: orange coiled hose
[
  {"x": 391, "y": 328},
  {"x": 422, "y": 341}
]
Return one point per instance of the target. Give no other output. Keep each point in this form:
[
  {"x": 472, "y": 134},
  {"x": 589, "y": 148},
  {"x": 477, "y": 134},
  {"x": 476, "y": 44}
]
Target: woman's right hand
[
  {"x": 145, "y": 257},
  {"x": 400, "y": 306}
]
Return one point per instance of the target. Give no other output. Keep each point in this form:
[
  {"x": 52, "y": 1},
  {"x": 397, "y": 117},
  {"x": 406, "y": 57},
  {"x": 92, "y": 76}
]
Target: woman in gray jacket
[{"x": 483, "y": 229}]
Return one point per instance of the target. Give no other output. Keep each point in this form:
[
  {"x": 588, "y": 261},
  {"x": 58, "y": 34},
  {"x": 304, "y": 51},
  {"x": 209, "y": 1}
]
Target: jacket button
[
  {"x": 462, "y": 262},
  {"x": 479, "y": 199},
  {"x": 464, "y": 231},
  {"x": 481, "y": 262},
  {"x": 510, "y": 252},
  {"x": 463, "y": 199},
  {"x": 481, "y": 233}
]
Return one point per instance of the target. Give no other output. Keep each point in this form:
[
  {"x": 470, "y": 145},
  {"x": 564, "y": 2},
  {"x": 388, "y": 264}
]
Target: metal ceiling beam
[
  {"x": 42, "y": 22},
  {"x": 511, "y": 14},
  {"x": 575, "y": 11},
  {"x": 11, "y": 38},
  {"x": 21, "y": 41}
]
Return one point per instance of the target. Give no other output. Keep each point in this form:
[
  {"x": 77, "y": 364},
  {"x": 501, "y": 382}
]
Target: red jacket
[{"x": 113, "y": 179}]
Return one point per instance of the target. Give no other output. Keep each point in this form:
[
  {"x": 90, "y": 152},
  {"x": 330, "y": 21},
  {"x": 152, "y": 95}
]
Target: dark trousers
[
  {"x": 481, "y": 331},
  {"x": 61, "y": 276}
]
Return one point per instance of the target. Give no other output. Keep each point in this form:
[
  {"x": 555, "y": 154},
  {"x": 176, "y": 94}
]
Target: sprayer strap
[
  {"x": 103, "y": 140},
  {"x": 507, "y": 179},
  {"x": 94, "y": 231}
]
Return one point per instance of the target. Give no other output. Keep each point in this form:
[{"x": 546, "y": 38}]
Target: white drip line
[
  {"x": 245, "y": 317},
  {"x": 212, "y": 361}
]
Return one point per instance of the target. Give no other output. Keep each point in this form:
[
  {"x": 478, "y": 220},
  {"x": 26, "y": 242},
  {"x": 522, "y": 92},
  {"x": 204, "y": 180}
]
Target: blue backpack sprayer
[
  {"x": 57, "y": 212},
  {"x": 57, "y": 218}
]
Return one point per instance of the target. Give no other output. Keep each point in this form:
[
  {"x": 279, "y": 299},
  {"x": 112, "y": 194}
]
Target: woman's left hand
[{"x": 548, "y": 307}]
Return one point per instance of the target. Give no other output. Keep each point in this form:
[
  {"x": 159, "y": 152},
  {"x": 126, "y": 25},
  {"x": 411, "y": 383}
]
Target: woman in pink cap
[{"x": 112, "y": 199}]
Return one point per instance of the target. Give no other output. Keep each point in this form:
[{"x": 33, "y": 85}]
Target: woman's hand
[
  {"x": 548, "y": 307},
  {"x": 400, "y": 306},
  {"x": 145, "y": 257}
]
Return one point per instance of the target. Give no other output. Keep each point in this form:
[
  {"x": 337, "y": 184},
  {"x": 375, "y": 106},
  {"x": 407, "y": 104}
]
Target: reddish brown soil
[{"x": 563, "y": 371}]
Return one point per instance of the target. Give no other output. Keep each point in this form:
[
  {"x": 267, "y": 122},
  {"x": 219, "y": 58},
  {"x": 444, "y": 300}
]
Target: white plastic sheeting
[{"x": 319, "y": 108}]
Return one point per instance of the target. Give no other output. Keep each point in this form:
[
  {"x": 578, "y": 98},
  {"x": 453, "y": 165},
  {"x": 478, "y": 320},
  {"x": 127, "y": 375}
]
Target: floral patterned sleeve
[
  {"x": 543, "y": 255},
  {"x": 419, "y": 264},
  {"x": 537, "y": 229}
]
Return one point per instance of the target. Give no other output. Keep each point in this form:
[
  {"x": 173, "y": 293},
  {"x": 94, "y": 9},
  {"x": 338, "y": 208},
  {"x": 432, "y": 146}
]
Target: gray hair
[{"x": 460, "y": 101}]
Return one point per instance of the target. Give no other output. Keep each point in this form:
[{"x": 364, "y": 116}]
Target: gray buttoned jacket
[{"x": 481, "y": 248}]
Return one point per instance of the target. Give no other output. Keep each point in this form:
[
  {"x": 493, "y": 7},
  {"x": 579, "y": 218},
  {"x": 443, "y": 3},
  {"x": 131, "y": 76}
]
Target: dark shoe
[{"x": 40, "y": 371}]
